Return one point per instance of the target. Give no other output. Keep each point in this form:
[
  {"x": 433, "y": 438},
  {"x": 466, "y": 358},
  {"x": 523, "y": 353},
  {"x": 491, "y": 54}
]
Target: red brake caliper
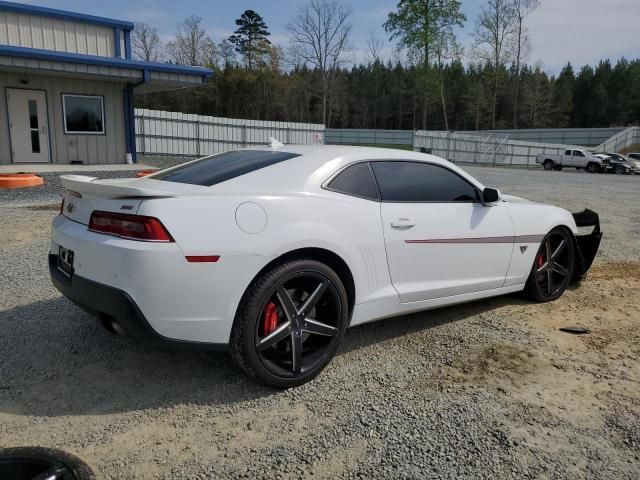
[
  {"x": 270, "y": 319},
  {"x": 540, "y": 260}
]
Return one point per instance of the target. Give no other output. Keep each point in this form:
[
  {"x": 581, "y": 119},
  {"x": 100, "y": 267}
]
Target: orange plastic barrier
[
  {"x": 20, "y": 180},
  {"x": 144, "y": 173}
]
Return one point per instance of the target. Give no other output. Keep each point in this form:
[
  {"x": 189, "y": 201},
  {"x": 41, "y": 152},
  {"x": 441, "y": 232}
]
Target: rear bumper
[
  {"x": 587, "y": 245},
  {"x": 103, "y": 300}
]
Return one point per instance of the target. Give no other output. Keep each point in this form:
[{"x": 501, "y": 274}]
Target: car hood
[{"x": 514, "y": 199}]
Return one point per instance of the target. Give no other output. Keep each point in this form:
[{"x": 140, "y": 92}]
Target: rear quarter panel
[{"x": 349, "y": 227}]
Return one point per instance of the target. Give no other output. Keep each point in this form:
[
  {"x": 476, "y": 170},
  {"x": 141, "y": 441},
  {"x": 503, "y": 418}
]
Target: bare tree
[
  {"x": 493, "y": 28},
  {"x": 374, "y": 46},
  {"x": 320, "y": 38},
  {"x": 145, "y": 43},
  {"x": 445, "y": 48},
  {"x": 521, "y": 9},
  {"x": 226, "y": 53},
  {"x": 192, "y": 45}
]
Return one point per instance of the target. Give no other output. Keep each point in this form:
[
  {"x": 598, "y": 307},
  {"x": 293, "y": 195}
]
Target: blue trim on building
[
  {"x": 40, "y": 54},
  {"x": 117, "y": 33},
  {"x": 64, "y": 15},
  {"x": 130, "y": 122},
  {"x": 127, "y": 44}
]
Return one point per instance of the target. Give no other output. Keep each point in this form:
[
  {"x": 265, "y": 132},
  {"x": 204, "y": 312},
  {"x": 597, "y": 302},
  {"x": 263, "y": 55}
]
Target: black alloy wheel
[
  {"x": 37, "y": 463},
  {"x": 620, "y": 170},
  {"x": 290, "y": 323},
  {"x": 553, "y": 266}
]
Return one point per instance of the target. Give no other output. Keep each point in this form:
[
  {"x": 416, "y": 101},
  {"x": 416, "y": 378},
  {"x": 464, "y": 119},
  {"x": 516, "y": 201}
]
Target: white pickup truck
[{"x": 575, "y": 158}]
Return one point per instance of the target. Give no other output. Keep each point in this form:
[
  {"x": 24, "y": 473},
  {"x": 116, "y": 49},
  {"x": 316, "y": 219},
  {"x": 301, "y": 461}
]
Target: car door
[
  {"x": 440, "y": 239},
  {"x": 567, "y": 159},
  {"x": 578, "y": 159}
]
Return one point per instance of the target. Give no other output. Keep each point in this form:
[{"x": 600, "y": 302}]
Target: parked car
[
  {"x": 576, "y": 158},
  {"x": 271, "y": 253},
  {"x": 634, "y": 156},
  {"x": 621, "y": 165}
]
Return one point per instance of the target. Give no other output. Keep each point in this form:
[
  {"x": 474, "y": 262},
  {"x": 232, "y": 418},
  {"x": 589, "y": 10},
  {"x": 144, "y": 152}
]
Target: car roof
[{"x": 316, "y": 164}]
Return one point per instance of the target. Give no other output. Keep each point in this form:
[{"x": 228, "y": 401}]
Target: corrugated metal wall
[
  {"x": 574, "y": 136},
  {"x": 35, "y": 31},
  {"x": 174, "y": 133},
  {"x": 90, "y": 149},
  {"x": 363, "y": 136}
]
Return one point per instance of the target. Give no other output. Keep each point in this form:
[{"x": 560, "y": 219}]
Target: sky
[{"x": 561, "y": 31}]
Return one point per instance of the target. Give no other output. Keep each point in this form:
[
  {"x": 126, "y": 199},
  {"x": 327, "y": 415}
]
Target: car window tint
[
  {"x": 212, "y": 170},
  {"x": 355, "y": 180},
  {"x": 567, "y": 152},
  {"x": 421, "y": 182}
]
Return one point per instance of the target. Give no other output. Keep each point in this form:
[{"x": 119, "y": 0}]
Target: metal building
[{"x": 67, "y": 83}]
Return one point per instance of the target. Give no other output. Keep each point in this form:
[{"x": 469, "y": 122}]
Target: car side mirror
[{"x": 490, "y": 196}]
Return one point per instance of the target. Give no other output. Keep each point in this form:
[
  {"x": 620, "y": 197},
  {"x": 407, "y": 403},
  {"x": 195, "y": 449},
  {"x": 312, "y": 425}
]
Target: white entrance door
[{"x": 28, "y": 126}]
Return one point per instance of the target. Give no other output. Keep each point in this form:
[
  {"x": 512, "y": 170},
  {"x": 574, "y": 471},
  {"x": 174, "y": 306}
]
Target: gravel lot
[{"x": 490, "y": 389}]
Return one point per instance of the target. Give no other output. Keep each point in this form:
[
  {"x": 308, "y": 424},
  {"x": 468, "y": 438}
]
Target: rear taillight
[{"x": 134, "y": 227}]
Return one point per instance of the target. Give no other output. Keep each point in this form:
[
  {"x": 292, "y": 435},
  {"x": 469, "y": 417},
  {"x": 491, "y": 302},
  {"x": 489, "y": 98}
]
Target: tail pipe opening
[{"x": 587, "y": 245}]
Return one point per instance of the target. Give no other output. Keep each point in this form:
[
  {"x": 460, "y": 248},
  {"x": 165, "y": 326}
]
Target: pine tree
[{"x": 250, "y": 39}]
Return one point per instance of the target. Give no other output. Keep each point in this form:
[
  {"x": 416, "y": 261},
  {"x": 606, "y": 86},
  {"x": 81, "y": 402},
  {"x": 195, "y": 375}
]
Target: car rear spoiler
[
  {"x": 113, "y": 188},
  {"x": 587, "y": 245}
]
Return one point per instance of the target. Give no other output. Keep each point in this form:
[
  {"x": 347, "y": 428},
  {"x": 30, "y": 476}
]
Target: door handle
[{"x": 402, "y": 224}]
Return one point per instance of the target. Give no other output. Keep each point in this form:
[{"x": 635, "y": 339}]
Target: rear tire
[
  {"x": 593, "y": 168},
  {"x": 548, "y": 164},
  {"x": 620, "y": 170},
  {"x": 290, "y": 323},
  {"x": 549, "y": 279}
]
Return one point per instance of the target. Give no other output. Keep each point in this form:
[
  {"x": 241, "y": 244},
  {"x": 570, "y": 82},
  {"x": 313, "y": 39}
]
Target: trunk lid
[{"x": 84, "y": 194}]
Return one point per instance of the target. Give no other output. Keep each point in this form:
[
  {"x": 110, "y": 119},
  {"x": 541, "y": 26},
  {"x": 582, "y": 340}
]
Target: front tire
[
  {"x": 548, "y": 164},
  {"x": 290, "y": 323},
  {"x": 620, "y": 170},
  {"x": 553, "y": 267}
]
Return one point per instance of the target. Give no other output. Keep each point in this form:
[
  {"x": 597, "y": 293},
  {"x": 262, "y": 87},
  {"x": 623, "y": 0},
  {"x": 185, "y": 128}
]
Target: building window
[
  {"x": 33, "y": 126},
  {"x": 83, "y": 114}
]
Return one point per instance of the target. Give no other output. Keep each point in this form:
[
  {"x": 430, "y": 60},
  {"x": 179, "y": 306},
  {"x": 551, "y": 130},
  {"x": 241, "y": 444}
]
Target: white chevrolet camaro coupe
[{"x": 273, "y": 252}]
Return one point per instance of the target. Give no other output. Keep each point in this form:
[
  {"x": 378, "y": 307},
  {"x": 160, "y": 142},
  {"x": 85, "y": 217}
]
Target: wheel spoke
[
  {"x": 319, "y": 328},
  {"x": 313, "y": 299},
  {"x": 543, "y": 268},
  {"x": 53, "y": 473},
  {"x": 559, "y": 249},
  {"x": 549, "y": 281},
  {"x": 276, "y": 336},
  {"x": 296, "y": 352},
  {"x": 286, "y": 302},
  {"x": 556, "y": 267}
]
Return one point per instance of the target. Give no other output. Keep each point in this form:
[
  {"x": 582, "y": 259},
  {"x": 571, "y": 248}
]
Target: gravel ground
[{"x": 485, "y": 390}]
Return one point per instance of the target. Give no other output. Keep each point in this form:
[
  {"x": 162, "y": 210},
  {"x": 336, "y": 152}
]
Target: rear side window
[
  {"x": 355, "y": 180},
  {"x": 219, "y": 168},
  {"x": 421, "y": 182}
]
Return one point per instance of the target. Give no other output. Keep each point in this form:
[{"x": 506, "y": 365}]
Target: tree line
[{"x": 428, "y": 82}]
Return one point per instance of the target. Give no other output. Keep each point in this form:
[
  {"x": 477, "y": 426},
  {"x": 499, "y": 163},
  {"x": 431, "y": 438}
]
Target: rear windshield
[{"x": 219, "y": 168}]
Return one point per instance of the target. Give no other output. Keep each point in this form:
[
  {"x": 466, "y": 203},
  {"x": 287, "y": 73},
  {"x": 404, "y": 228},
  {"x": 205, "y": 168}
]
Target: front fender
[{"x": 586, "y": 245}]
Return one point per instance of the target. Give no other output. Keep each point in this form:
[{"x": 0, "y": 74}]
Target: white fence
[
  {"x": 181, "y": 134},
  {"x": 483, "y": 150}
]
